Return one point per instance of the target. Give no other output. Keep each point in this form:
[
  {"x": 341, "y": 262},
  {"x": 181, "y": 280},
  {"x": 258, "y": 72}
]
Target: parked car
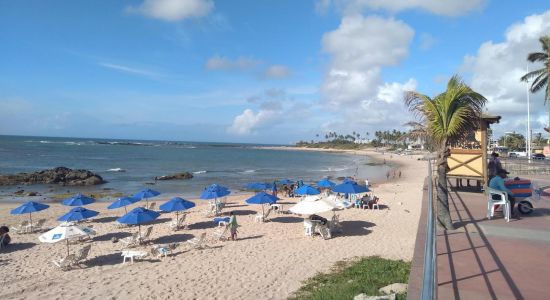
[
  {"x": 538, "y": 156},
  {"x": 513, "y": 155}
]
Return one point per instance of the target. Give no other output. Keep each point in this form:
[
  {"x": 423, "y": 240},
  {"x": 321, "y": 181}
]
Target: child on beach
[{"x": 233, "y": 226}]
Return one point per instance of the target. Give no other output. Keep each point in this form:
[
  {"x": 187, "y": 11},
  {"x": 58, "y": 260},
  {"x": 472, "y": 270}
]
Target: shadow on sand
[
  {"x": 203, "y": 225},
  {"x": 105, "y": 260},
  {"x": 111, "y": 235},
  {"x": 17, "y": 247},
  {"x": 287, "y": 219},
  {"x": 174, "y": 238},
  {"x": 104, "y": 220},
  {"x": 355, "y": 228}
]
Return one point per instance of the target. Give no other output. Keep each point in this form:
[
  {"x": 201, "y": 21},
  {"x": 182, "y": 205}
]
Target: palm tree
[
  {"x": 448, "y": 117},
  {"x": 541, "y": 75}
]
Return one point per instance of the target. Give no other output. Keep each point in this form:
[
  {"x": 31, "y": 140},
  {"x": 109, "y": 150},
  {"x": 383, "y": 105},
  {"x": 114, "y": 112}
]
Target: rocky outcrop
[
  {"x": 59, "y": 175},
  {"x": 184, "y": 175}
]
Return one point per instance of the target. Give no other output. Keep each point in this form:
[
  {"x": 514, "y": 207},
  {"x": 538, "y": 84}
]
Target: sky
[{"x": 250, "y": 71}]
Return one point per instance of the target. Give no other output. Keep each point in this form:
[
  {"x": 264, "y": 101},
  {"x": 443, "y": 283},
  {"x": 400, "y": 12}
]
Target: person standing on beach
[
  {"x": 399, "y": 173},
  {"x": 233, "y": 225},
  {"x": 274, "y": 191},
  {"x": 388, "y": 175}
]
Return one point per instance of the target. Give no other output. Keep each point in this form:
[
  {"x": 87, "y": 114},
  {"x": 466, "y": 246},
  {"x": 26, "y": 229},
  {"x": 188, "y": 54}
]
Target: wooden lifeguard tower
[{"x": 468, "y": 159}]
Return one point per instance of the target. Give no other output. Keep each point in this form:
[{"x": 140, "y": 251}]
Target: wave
[
  {"x": 248, "y": 171},
  {"x": 333, "y": 169},
  {"x": 116, "y": 170},
  {"x": 200, "y": 172}
]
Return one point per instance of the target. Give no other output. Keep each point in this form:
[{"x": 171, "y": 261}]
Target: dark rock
[
  {"x": 19, "y": 192},
  {"x": 59, "y": 175},
  {"x": 184, "y": 175},
  {"x": 32, "y": 194}
]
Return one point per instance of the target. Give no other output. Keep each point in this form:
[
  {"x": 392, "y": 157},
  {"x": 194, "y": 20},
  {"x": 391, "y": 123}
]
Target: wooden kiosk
[{"x": 469, "y": 159}]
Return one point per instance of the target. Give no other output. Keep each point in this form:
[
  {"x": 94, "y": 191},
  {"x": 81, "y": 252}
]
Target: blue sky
[{"x": 254, "y": 71}]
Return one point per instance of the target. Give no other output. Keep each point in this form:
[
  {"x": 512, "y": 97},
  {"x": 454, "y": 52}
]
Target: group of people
[
  {"x": 497, "y": 174},
  {"x": 288, "y": 189}
]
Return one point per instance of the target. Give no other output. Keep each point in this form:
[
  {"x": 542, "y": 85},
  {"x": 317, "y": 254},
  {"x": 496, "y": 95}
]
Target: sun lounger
[
  {"x": 324, "y": 231},
  {"x": 261, "y": 217},
  {"x": 133, "y": 254},
  {"x": 179, "y": 223},
  {"x": 162, "y": 250},
  {"x": 147, "y": 236},
  {"x": 38, "y": 225},
  {"x": 131, "y": 241},
  {"x": 22, "y": 228},
  {"x": 335, "y": 225},
  {"x": 65, "y": 263},
  {"x": 220, "y": 234},
  {"x": 198, "y": 242},
  {"x": 152, "y": 206},
  {"x": 82, "y": 255}
]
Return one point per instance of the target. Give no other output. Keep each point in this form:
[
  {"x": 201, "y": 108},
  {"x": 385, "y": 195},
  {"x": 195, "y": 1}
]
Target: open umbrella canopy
[
  {"x": 350, "y": 187},
  {"x": 176, "y": 204},
  {"x": 312, "y": 207},
  {"x": 78, "y": 200},
  {"x": 63, "y": 232},
  {"x": 262, "y": 198},
  {"x": 146, "y": 194},
  {"x": 325, "y": 183},
  {"x": 349, "y": 179},
  {"x": 122, "y": 202},
  {"x": 259, "y": 186},
  {"x": 29, "y": 207},
  {"x": 77, "y": 214},
  {"x": 138, "y": 215},
  {"x": 215, "y": 191},
  {"x": 286, "y": 181},
  {"x": 307, "y": 190}
]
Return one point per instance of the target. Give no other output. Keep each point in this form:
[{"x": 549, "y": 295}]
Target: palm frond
[
  {"x": 533, "y": 74},
  {"x": 537, "y": 56},
  {"x": 539, "y": 83}
]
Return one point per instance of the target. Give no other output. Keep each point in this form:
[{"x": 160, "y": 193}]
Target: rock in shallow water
[
  {"x": 184, "y": 175},
  {"x": 59, "y": 175}
]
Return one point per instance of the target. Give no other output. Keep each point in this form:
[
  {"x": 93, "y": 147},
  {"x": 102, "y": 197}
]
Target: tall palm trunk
[{"x": 443, "y": 213}]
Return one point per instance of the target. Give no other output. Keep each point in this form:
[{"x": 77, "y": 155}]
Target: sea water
[{"x": 131, "y": 165}]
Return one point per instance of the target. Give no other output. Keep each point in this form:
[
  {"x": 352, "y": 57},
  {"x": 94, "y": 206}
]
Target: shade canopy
[
  {"x": 29, "y": 207},
  {"x": 77, "y": 214},
  {"x": 63, "y": 232},
  {"x": 286, "y": 181},
  {"x": 349, "y": 179},
  {"x": 176, "y": 204},
  {"x": 307, "y": 190},
  {"x": 138, "y": 215},
  {"x": 350, "y": 187},
  {"x": 259, "y": 186},
  {"x": 146, "y": 194},
  {"x": 122, "y": 202},
  {"x": 262, "y": 198},
  {"x": 215, "y": 191},
  {"x": 312, "y": 207},
  {"x": 78, "y": 200},
  {"x": 325, "y": 183}
]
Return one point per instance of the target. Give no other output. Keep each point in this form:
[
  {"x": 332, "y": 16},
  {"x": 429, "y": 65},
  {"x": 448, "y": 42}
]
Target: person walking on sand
[
  {"x": 399, "y": 173},
  {"x": 274, "y": 191},
  {"x": 233, "y": 225},
  {"x": 388, "y": 175}
]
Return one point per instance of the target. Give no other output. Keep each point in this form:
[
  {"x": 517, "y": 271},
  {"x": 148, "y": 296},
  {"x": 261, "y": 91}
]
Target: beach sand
[{"x": 269, "y": 261}]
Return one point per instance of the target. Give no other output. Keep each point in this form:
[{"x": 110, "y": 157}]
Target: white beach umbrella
[
  {"x": 312, "y": 207},
  {"x": 65, "y": 232}
]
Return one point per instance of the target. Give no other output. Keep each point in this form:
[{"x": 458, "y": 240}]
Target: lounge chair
[
  {"x": 22, "y": 228},
  {"x": 131, "y": 241},
  {"x": 179, "y": 223},
  {"x": 38, "y": 225},
  {"x": 152, "y": 206},
  {"x": 335, "y": 225},
  {"x": 261, "y": 217},
  {"x": 162, "y": 250},
  {"x": 220, "y": 234},
  {"x": 324, "y": 231},
  {"x": 65, "y": 263},
  {"x": 147, "y": 236},
  {"x": 198, "y": 242},
  {"x": 82, "y": 255},
  {"x": 133, "y": 254}
]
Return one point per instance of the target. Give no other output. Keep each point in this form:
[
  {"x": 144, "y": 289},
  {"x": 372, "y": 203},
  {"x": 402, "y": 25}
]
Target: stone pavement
[{"x": 493, "y": 259}]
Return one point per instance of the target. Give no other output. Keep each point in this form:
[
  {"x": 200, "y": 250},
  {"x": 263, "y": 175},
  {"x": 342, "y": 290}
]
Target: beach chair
[
  {"x": 497, "y": 198},
  {"x": 2, "y": 240},
  {"x": 82, "y": 255},
  {"x": 147, "y": 236},
  {"x": 65, "y": 263},
  {"x": 133, "y": 254},
  {"x": 335, "y": 225},
  {"x": 179, "y": 223},
  {"x": 152, "y": 206},
  {"x": 324, "y": 231},
  {"x": 309, "y": 227},
  {"x": 37, "y": 226},
  {"x": 261, "y": 217},
  {"x": 198, "y": 242},
  {"x": 131, "y": 241},
  {"x": 161, "y": 251},
  {"x": 220, "y": 234},
  {"x": 22, "y": 228}
]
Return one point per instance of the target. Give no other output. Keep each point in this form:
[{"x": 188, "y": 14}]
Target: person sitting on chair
[
  {"x": 4, "y": 236},
  {"x": 497, "y": 183}
]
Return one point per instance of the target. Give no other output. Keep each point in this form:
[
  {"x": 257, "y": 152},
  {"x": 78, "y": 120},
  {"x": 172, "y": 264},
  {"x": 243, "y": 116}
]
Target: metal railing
[
  {"x": 520, "y": 166},
  {"x": 430, "y": 265}
]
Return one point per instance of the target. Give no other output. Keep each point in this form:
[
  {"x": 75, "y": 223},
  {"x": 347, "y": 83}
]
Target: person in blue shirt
[{"x": 497, "y": 183}]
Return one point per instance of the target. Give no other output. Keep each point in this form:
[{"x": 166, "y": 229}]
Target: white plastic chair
[
  {"x": 309, "y": 227},
  {"x": 133, "y": 254},
  {"x": 494, "y": 198}
]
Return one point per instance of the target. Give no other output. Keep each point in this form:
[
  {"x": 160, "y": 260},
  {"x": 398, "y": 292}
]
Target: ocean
[{"x": 131, "y": 165}]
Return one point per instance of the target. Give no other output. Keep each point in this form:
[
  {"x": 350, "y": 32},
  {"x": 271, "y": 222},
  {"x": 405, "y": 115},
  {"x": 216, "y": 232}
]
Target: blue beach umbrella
[
  {"x": 215, "y": 191},
  {"x": 176, "y": 204},
  {"x": 259, "y": 186},
  {"x": 138, "y": 216},
  {"x": 123, "y": 202},
  {"x": 78, "y": 200},
  {"x": 77, "y": 214},
  {"x": 350, "y": 187},
  {"x": 349, "y": 179},
  {"x": 307, "y": 190},
  {"x": 146, "y": 194},
  {"x": 325, "y": 183},
  {"x": 28, "y": 208},
  {"x": 262, "y": 198},
  {"x": 286, "y": 181}
]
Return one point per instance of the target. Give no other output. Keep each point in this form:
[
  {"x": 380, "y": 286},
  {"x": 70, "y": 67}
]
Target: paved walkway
[{"x": 493, "y": 259}]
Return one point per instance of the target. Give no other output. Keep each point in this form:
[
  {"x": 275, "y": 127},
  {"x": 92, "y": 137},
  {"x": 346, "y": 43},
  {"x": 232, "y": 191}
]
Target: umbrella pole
[
  {"x": 177, "y": 220},
  {"x": 125, "y": 210},
  {"x": 139, "y": 231},
  {"x": 30, "y": 217}
]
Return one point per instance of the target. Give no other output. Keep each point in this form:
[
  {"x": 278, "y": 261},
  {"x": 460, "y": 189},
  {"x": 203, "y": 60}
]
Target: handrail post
[{"x": 430, "y": 265}]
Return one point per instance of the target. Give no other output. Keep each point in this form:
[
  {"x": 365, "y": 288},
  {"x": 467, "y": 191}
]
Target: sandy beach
[{"x": 269, "y": 261}]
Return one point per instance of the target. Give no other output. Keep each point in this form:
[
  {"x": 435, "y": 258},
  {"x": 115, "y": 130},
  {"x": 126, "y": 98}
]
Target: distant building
[{"x": 362, "y": 141}]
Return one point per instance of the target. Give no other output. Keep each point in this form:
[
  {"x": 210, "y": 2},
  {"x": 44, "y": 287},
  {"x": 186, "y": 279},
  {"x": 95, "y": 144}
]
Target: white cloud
[
  {"x": 131, "y": 70},
  {"x": 173, "y": 10},
  {"x": 496, "y": 70},
  {"x": 277, "y": 72},
  {"x": 223, "y": 63},
  {"x": 427, "y": 41},
  {"x": 393, "y": 92},
  {"x": 249, "y": 121}
]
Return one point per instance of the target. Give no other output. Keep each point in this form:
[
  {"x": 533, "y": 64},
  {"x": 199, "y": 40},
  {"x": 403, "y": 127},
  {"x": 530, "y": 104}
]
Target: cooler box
[{"x": 520, "y": 188}]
